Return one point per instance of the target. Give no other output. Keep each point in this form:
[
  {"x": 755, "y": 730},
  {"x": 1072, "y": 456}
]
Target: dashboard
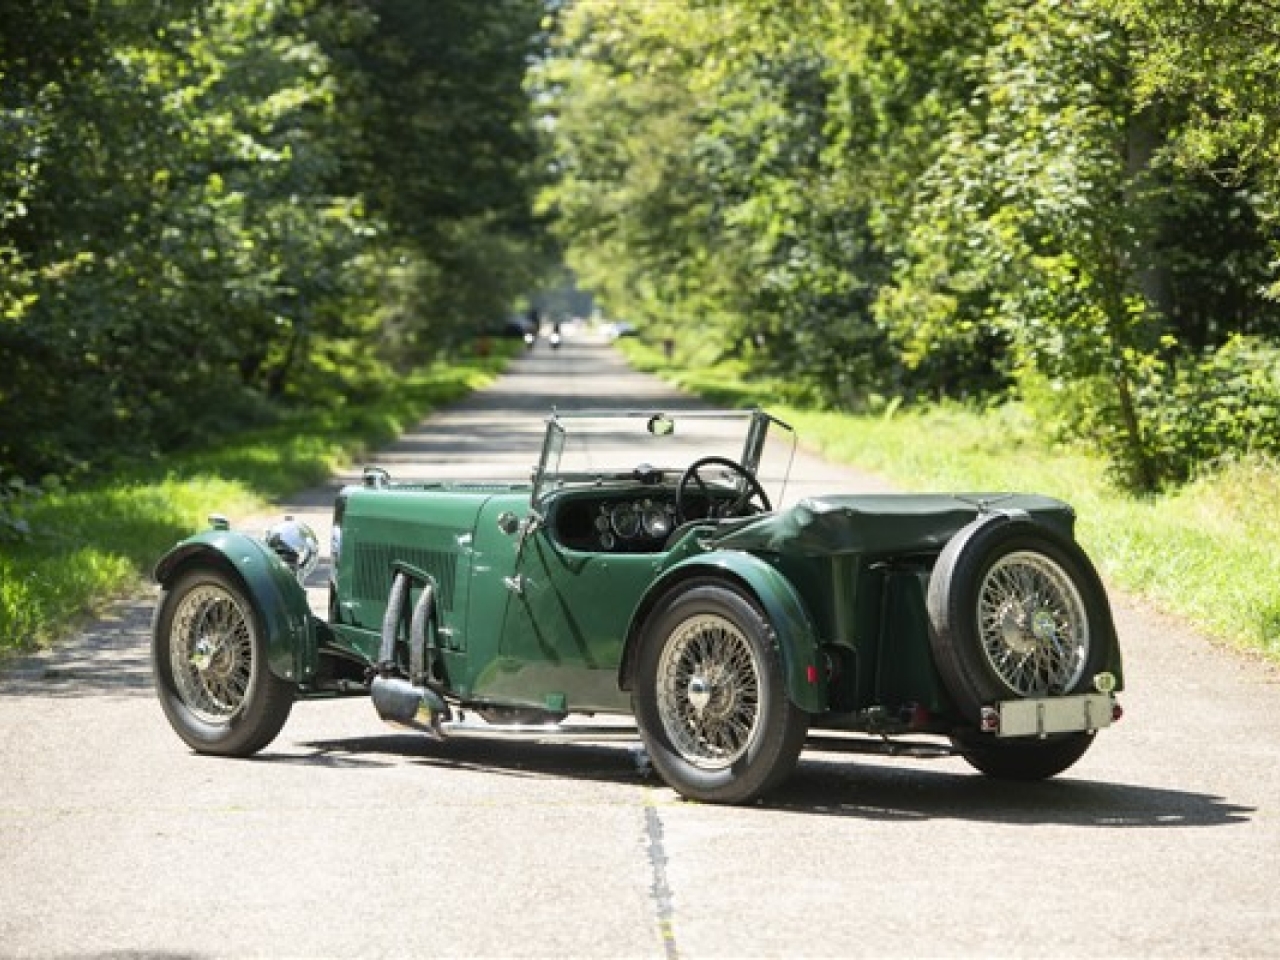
[
  {"x": 634, "y": 522},
  {"x": 619, "y": 523},
  {"x": 626, "y": 520}
]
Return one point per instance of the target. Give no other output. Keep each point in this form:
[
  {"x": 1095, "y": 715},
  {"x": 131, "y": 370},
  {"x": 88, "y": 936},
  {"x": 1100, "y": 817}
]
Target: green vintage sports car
[{"x": 644, "y": 571}]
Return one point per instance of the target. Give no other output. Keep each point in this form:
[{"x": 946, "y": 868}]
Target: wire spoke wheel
[
  {"x": 709, "y": 691},
  {"x": 210, "y": 656},
  {"x": 211, "y": 649},
  {"x": 1032, "y": 625},
  {"x": 1017, "y": 611},
  {"x": 711, "y": 697}
]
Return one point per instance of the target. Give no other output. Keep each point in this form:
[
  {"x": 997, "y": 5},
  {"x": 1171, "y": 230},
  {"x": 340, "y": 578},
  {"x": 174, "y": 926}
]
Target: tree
[
  {"x": 445, "y": 157},
  {"x": 200, "y": 203}
]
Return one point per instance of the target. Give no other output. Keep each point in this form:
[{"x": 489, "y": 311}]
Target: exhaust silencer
[{"x": 401, "y": 704}]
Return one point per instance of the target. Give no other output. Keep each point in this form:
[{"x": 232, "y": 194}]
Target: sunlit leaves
[{"x": 198, "y": 202}]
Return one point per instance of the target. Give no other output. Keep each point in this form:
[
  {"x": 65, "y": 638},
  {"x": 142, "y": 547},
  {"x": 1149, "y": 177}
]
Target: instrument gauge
[
  {"x": 625, "y": 521},
  {"x": 657, "y": 520}
]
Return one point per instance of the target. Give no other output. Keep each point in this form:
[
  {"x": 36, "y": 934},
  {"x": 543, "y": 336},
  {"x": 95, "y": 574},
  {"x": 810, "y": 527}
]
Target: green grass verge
[
  {"x": 1206, "y": 552},
  {"x": 94, "y": 544}
]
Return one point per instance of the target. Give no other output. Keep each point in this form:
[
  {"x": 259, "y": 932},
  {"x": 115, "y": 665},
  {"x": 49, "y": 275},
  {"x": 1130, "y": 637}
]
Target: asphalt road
[{"x": 345, "y": 838}]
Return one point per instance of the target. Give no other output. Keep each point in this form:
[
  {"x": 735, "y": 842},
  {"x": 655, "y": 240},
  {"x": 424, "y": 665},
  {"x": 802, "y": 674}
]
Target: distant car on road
[
  {"x": 620, "y": 329},
  {"x": 644, "y": 571}
]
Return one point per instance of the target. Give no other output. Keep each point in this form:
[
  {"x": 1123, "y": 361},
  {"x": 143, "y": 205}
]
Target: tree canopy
[
  {"x": 209, "y": 208},
  {"x": 1069, "y": 202}
]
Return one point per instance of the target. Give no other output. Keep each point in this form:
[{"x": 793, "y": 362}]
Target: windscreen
[{"x": 595, "y": 448}]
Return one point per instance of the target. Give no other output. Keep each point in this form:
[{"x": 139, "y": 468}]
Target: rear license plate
[{"x": 1038, "y": 718}]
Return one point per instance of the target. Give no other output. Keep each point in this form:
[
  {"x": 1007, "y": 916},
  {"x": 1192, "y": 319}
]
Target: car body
[{"x": 643, "y": 571}]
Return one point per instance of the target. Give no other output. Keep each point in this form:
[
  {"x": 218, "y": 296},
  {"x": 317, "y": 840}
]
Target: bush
[
  {"x": 1219, "y": 406},
  {"x": 16, "y": 497},
  {"x": 1194, "y": 411}
]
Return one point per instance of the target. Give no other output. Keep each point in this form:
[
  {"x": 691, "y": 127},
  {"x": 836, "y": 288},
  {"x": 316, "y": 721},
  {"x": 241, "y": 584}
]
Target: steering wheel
[{"x": 717, "y": 509}]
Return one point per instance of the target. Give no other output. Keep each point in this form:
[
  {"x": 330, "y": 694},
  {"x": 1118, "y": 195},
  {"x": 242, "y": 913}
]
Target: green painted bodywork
[
  {"x": 280, "y": 600},
  {"x": 555, "y": 638},
  {"x": 534, "y": 611}
]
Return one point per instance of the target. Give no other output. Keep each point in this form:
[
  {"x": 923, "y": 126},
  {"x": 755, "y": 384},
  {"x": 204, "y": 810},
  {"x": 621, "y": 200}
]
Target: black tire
[
  {"x": 711, "y": 697},
  {"x": 1022, "y": 759},
  {"x": 1017, "y": 611},
  {"x": 209, "y": 653}
]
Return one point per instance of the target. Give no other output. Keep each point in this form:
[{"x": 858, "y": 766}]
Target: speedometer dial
[{"x": 625, "y": 521}]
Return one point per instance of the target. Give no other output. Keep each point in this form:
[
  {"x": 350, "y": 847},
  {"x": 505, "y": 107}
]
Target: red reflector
[
  {"x": 990, "y": 720},
  {"x": 811, "y": 673},
  {"x": 1117, "y": 712}
]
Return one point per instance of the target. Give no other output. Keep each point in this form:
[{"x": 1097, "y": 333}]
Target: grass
[
  {"x": 93, "y": 544},
  {"x": 1205, "y": 552}
]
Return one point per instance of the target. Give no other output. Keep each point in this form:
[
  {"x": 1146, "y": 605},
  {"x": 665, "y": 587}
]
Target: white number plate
[{"x": 1037, "y": 718}]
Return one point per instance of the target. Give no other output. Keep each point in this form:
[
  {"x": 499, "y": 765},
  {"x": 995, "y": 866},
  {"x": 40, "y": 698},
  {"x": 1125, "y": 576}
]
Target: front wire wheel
[
  {"x": 711, "y": 697},
  {"x": 210, "y": 659},
  {"x": 211, "y": 653}
]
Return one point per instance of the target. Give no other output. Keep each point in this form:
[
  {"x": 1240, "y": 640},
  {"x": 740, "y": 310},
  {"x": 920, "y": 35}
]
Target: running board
[
  {"x": 540, "y": 732},
  {"x": 835, "y": 743}
]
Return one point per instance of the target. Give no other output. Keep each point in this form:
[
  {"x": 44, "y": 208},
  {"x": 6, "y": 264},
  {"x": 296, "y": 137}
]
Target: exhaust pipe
[{"x": 401, "y": 704}]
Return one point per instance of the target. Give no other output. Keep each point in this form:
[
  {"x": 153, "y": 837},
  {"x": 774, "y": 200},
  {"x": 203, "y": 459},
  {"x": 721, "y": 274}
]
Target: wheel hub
[
  {"x": 1014, "y": 630},
  {"x": 202, "y": 655},
  {"x": 1044, "y": 626},
  {"x": 1025, "y": 634},
  {"x": 209, "y": 657},
  {"x": 699, "y": 693},
  {"x": 711, "y": 693}
]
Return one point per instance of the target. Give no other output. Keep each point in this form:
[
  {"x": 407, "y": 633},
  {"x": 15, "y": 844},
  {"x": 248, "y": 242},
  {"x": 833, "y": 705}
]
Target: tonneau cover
[{"x": 882, "y": 523}]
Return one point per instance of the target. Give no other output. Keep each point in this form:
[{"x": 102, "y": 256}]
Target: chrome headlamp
[{"x": 296, "y": 544}]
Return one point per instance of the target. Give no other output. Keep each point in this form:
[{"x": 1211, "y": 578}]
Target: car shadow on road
[
  {"x": 885, "y": 791},
  {"x": 820, "y": 786},
  {"x": 609, "y": 763}
]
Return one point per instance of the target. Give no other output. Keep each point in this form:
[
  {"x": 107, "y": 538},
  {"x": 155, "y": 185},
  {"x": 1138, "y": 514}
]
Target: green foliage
[
  {"x": 81, "y": 546},
  {"x": 443, "y": 148},
  {"x": 868, "y": 199},
  {"x": 1217, "y": 60},
  {"x": 16, "y": 497},
  {"x": 200, "y": 205},
  {"x": 1216, "y": 406}
]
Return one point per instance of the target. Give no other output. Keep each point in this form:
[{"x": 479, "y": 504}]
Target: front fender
[
  {"x": 280, "y": 601},
  {"x": 797, "y": 640}
]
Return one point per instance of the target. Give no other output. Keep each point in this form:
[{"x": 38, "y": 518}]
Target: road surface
[{"x": 347, "y": 839}]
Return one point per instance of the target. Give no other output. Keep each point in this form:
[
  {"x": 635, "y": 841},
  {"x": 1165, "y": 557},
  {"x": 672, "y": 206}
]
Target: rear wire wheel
[
  {"x": 1017, "y": 611},
  {"x": 209, "y": 654},
  {"x": 711, "y": 697}
]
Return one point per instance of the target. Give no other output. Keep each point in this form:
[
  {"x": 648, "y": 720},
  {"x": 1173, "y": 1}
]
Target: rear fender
[
  {"x": 280, "y": 601},
  {"x": 797, "y": 639}
]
